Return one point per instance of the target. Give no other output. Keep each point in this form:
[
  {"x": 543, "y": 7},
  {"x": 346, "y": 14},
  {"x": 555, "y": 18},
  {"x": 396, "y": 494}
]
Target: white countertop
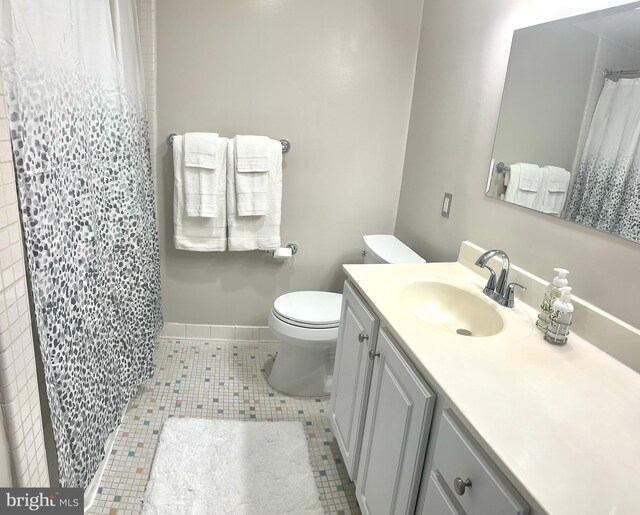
[{"x": 563, "y": 420}]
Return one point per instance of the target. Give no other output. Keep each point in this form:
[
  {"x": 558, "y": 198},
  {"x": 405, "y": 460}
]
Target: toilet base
[{"x": 300, "y": 371}]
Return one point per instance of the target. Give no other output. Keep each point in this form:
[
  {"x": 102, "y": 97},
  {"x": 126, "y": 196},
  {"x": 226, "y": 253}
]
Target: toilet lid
[{"x": 316, "y": 308}]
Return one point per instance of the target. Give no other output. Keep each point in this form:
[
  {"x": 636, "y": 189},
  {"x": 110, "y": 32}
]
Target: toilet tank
[{"x": 386, "y": 248}]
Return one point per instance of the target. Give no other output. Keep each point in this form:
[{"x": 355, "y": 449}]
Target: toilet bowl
[{"x": 307, "y": 324}]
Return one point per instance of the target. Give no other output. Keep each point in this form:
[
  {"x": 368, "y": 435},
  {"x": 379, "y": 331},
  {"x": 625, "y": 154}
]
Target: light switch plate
[{"x": 446, "y": 204}]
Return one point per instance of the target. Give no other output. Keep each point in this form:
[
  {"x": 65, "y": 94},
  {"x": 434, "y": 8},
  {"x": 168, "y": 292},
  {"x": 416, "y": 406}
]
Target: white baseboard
[{"x": 217, "y": 332}]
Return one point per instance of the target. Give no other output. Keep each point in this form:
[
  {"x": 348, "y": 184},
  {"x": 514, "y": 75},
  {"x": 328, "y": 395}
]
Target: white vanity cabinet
[
  {"x": 395, "y": 434},
  {"x": 381, "y": 416},
  {"x": 352, "y": 375}
]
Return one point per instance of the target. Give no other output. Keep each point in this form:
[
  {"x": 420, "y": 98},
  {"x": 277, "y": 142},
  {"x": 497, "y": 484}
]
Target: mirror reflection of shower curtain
[
  {"x": 75, "y": 94},
  {"x": 606, "y": 193}
]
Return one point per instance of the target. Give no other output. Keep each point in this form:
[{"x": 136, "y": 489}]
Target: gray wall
[
  {"x": 546, "y": 90},
  {"x": 464, "y": 48},
  {"x": 336, "y": 79}
]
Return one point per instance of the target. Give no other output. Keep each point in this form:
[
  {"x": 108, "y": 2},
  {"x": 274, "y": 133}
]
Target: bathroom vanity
[{"x": 432, "y": 421}]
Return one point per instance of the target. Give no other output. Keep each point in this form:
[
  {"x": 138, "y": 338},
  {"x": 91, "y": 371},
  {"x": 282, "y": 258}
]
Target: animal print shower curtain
[
  {"x": 75, "y": 94},
  {"x": 606, "y": 193}
]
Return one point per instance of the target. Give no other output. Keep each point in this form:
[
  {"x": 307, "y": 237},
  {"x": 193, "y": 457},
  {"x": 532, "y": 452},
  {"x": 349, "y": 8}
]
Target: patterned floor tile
[{"x": 217, "y": 380}]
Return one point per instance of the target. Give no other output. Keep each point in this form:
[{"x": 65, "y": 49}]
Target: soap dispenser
[
  {"x": 560, "y": 318},
  {"x": 550, "y": 295}
]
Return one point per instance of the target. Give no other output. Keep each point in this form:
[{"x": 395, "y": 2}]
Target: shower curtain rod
[{"x": 607, "y": 73}]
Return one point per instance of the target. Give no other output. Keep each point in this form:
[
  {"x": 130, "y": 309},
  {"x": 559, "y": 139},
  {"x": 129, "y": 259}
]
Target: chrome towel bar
[{"x": 286, "y": 146}]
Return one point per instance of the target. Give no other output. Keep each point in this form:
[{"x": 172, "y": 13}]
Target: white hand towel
[
  {"x": 200, "y": 174},
  {"x": 200, "y": 150},
  {"x": 256, "y": 232},
  {"x": 554, "y": 189},
  {"x": 251, "y": 169},
  {"x": 252, "y": 153},
  {"x": 199, "y": 233},
  {"x": 544, "y": 175},
  {"x": 524, "y": 184}
]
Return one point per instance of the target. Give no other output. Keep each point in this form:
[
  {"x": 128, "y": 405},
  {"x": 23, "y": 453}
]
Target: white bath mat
[{"x": 206, "y": 467}]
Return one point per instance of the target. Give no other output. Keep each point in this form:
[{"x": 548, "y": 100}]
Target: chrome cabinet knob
[
  {"x": 362, "y": 337},
  {"x": 373, "y": 354},
  {"x": 460, "y": 486}
]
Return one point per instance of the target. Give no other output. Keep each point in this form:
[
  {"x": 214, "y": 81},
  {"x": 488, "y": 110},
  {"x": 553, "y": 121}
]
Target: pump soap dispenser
[
  {"x": 560, "y": 318},
  {"x": 550, "y": 295}
]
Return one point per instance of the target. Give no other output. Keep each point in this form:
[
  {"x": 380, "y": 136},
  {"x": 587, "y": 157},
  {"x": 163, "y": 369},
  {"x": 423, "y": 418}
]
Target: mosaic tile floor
[{"x": 223, "y": 380}]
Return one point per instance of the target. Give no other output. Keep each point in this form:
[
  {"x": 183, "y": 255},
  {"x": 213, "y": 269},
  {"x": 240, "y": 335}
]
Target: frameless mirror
[{"x": 568, "y": 137}]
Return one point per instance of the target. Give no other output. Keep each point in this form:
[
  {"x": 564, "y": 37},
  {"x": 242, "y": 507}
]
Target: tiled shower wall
[
  {"x": 147, "y": 25},
  {"x": 19, "y": 396}
]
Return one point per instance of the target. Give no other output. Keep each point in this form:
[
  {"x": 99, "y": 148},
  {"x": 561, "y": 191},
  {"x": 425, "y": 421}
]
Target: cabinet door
[
  {"x": 437, "y": 500},
  {"x": 352, "y": 375},
  {"x": 395, "y": 435}
]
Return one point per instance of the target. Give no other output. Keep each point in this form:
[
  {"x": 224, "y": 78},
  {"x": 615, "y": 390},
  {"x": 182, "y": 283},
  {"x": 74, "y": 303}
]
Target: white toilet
[{"x": 307, "y": 324}]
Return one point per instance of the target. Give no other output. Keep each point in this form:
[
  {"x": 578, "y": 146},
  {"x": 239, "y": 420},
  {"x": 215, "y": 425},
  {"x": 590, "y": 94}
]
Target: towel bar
[{"x": 286, "y": 146}]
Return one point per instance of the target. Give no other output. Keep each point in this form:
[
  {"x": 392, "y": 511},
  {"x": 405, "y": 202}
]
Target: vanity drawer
[{"x": 458, "y": 460}]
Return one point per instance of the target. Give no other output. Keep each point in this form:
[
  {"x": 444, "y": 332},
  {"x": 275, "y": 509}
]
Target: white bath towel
[
  {"x": 553, "y": 190},
  {"x": 199, "y": 233},
  {"x": 256, "y": 232},
  {"x": 524, "y": 184},
  {"x": 201, "y": 174},
  {"x": 251, "y": 168}
]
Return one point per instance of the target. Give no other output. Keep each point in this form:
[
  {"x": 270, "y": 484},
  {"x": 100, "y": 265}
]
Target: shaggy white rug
[{"x": 218, "y": 466}]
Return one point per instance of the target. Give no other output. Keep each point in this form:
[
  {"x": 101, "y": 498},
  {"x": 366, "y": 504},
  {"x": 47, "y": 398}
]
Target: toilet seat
[
  {"x": 309, "y": 309},
  {"x": 296, "y": 323},
  {"x": 304, "y": 337}
]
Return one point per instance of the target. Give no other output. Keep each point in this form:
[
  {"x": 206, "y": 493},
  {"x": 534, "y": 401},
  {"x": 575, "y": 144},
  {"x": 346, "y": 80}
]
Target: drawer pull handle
[
  {"x": 460, "y": 486},
  {"x": 373, "y": 354},
  {"x": 362, "y": 337}
]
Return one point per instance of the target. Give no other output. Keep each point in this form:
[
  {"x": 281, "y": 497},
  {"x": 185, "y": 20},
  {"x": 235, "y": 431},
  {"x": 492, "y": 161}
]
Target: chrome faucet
[{"x": 501, "y": 291}]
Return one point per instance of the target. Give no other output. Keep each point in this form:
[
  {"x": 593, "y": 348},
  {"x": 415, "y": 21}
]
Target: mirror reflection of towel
[
  {"x": 524, "y": 184},
  {"x": 553, "y": 190}
]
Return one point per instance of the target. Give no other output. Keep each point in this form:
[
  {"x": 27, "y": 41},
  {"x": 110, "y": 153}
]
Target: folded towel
[
  {"x": 252, "y": 153},
  {"x": 198, "y": 233},
  {"x": 251, "y": 169},
  {"x": 256, "y": 232},
  {"x": 544, "y": 176},
  {"x": 559, "y": 179},
  {"x": 553, "y": 190},
  {"x": 524, "y": 184},
  {"x": 200, "y": 150},
  {"x": 200, "y": 177}
]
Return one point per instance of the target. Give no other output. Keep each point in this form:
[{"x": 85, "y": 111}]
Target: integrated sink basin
[{"x": 452, "y": 309}]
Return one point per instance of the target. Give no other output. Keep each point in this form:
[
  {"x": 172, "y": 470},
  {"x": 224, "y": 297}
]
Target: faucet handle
[{"x": 509, "y": 296}]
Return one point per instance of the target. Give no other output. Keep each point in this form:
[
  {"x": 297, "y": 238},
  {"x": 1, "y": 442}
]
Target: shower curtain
[
  {"x": 606, "y": 193},
  {"x": 75, "y": 94}
]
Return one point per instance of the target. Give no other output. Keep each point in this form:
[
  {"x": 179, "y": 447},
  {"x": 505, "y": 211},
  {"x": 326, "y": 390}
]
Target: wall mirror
[{"x": 568, "y": 137}]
